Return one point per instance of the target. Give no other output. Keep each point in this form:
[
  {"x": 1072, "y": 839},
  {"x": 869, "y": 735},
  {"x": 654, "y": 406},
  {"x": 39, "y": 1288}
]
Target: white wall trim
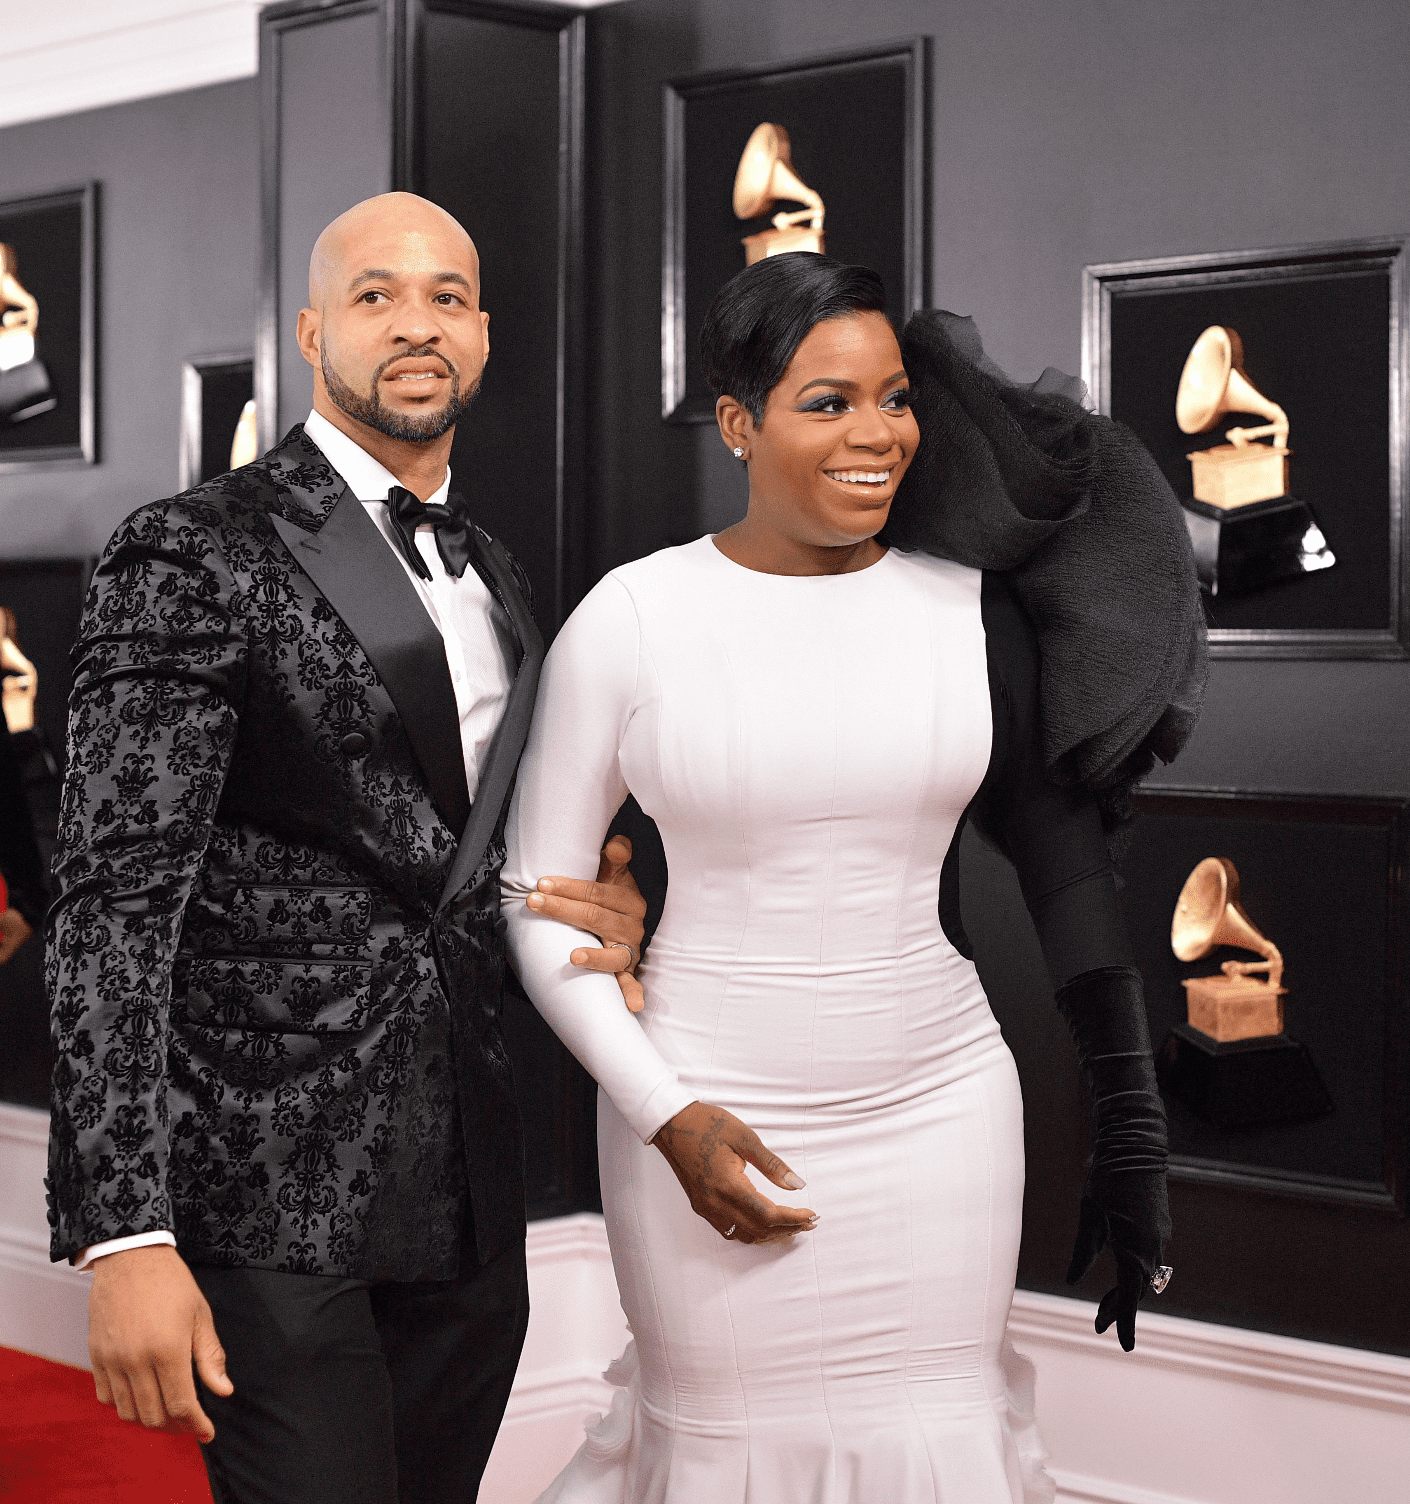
[
  {"x": 24, "y": 1125},
  {"x": 84, "y": 54},
  {"x": 1074, "y": 1488},
  {"x": 1315, "y": 1369}
]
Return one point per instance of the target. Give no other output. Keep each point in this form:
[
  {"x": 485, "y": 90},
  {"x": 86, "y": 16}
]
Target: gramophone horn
[
  {"x": 1208, "y": 913},
  {"x": 1213, "y": 383},
  {"x": 766, "y": 174}
]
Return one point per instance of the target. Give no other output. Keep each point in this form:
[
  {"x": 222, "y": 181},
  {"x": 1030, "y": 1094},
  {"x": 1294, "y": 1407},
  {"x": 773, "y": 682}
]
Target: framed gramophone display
[
  {"x": 218, "y": 427},
  {"x": 1271, "y": 387},
  {"x": 40, "y": 604},
  {"x": 762, "y": 161},
  {"x": 1272, "y": 933},
  {"x": 48, "y": 322}
]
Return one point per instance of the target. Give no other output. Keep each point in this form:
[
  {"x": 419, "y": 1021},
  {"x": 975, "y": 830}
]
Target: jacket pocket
[
  {"x": 287, "y": 997},
  {"x": 287, "y": 916}
]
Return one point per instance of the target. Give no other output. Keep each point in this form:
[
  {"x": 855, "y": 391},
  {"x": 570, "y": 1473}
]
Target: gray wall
[{"x": 178, "y": 246}]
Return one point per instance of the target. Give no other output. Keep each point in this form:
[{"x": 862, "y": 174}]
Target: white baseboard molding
[
  {"x": 1224, "y": 1353},
  {"x": 1073, "y": 1488},
  {"x": 1198, "y": 1414}
]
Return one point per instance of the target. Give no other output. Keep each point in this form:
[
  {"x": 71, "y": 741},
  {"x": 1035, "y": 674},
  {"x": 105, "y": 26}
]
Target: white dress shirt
[{"x": 479, "y": 645}]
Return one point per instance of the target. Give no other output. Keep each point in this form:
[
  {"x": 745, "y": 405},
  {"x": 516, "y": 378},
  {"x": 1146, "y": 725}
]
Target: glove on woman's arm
[
  {"x": 1055, "y": 839},
  {"x": 1124, "y": 1202}
]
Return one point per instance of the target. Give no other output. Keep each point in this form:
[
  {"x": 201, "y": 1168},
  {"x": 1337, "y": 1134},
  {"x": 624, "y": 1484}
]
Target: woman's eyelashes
[{"x": 834, "y": 404}]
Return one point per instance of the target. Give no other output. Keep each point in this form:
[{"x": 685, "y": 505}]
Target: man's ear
[
  {"x": 308, "y": 334},
  {"x": 736, "y": 426}
]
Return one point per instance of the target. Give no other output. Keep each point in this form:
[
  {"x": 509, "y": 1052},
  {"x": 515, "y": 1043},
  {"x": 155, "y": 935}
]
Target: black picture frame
[
  {"x": 47, "y": 597},
  {"x": 836, "y": 108},
  {"x": 1325, "y": 331},
  {"x": 214, "y": 391},
  {"x": 55, "y": 238},
  {"x": 1324, "y": 878}
]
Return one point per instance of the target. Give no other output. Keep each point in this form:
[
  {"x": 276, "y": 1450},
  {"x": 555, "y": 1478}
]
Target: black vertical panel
[
  {"x": 490, "y": 131},
  {"x": 494, "y": 130},
  {"x": 326, "y": 80}
]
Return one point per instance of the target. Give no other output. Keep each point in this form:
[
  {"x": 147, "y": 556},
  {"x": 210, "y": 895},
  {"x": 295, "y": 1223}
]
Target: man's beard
[{"x": 413, "y": 428}]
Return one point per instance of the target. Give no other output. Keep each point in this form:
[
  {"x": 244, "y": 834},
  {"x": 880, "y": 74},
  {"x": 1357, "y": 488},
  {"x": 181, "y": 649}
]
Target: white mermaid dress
[{"x": 807, "y": 747}]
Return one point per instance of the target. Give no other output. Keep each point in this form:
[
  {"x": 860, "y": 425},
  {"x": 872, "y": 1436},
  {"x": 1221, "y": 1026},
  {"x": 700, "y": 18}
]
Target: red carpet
[{"x": 58, "y": 1445}]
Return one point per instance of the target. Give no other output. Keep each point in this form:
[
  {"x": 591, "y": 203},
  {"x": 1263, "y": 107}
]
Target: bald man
[{"x": 284, "y": 1134}]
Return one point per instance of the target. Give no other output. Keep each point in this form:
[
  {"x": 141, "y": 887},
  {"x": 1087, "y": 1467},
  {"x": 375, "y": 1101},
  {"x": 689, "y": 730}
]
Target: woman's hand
[
  {"x": 708, "y": 1148},
  {"x": 611, "y": 908}
]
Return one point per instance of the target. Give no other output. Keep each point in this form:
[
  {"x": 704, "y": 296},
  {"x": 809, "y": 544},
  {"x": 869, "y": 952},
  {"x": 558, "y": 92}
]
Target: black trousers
[{"x": 354, "y": 1393}]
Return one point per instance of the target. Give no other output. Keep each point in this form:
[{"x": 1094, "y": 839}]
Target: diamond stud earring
[{"x": 739, "y": 454}]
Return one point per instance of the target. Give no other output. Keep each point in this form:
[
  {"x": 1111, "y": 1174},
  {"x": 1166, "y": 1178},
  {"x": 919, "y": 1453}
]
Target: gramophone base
[
  {"x": 1241, "y": 549},
  {"x": 1230, "y": 1008},
  {"x": 1249, "y": 1083}
]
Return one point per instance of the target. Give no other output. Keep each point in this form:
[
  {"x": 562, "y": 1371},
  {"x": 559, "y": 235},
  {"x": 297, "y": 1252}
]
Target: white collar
[{"x": 368, "y": 479}]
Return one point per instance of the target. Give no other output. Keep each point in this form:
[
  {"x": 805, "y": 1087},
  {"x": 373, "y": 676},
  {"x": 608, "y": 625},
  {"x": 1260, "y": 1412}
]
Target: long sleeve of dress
[{"x": 570, "y": 785}]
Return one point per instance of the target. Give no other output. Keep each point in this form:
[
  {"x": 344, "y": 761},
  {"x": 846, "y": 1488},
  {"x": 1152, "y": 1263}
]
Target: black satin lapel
[
  {"x": 354, "y": 566},
  {"x": 502, "y": 759}
]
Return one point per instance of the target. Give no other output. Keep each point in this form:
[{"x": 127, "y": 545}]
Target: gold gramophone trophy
[
  {"x": 1237, "y": 1003},
  {"x": 1231, "y": 1063},
  {"x": 765, "y": 175},
  {"x": 244, "y": 447},
  {"x": 1246, "y": 529}
]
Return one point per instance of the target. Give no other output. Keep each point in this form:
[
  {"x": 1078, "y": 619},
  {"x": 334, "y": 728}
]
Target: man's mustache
[{"x": 426, "y": 352}]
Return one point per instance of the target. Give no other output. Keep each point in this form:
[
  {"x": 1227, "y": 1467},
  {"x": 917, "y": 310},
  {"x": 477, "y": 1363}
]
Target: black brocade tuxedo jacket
[{"x": 275, "y": 957}]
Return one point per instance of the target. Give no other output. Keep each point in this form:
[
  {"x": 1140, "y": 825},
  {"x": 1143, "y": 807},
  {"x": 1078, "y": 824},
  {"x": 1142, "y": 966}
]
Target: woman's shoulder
[
  {"x": 665, "y": 565},
  {"x": 668, "y": 577},
  {"x": 639, "y": 585}
]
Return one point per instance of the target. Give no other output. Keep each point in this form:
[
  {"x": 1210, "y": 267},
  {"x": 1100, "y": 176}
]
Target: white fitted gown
[{"x": 807, "y": 747}]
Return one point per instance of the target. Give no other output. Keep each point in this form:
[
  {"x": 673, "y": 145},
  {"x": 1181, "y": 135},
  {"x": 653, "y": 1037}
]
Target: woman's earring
[{"x": 739, "y": 454}]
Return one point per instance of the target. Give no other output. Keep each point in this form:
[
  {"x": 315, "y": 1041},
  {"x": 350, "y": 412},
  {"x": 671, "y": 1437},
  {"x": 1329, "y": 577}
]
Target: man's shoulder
[
  {"x": 239, "y": 502},
  {"x": 220, "y": 509}
]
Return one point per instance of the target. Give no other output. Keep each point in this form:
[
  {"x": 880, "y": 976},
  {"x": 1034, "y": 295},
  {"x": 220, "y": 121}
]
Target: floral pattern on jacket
[{"x": 267, "y": 1038}]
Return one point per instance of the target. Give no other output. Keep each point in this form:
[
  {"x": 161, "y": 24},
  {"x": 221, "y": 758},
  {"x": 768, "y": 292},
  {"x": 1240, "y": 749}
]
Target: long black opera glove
[{"x": 1124, "y": 1202}]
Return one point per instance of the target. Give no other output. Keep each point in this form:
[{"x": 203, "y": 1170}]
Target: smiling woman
[
  {"x": 813, "y": 397},
  {"x": 807, "y": 716}
]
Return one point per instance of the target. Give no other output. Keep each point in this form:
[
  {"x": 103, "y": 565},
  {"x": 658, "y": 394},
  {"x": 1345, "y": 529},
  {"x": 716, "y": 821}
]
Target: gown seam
[
  {"x": 660, "y": 1321},
  {"x": 717, "y": 1248},
  {"x": 915, "y": 1283},
  {"x": 808, "y": 1107}
]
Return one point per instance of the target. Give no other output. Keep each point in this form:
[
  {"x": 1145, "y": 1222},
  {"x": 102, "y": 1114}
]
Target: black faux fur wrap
[{"x": 1076, "y": 514}]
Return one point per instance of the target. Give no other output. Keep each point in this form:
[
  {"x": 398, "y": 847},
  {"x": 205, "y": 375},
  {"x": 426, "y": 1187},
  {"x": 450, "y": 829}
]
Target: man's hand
[
  {"x": 147, "y": 1320},
  {"x": 14, "y": 931},
  {"x": 611, "y": 908},
  {"x": 708, "y": 1148}
]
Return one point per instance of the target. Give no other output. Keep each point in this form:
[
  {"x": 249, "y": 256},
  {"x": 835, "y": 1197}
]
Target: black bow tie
[{"x": 450, "y": 522}]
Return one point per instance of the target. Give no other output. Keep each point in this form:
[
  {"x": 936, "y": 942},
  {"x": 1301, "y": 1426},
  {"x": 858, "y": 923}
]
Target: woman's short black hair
[{"x": 760, "y": 317}]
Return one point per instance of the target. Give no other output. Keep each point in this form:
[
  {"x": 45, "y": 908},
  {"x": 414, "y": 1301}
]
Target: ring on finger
[
  {"x": 622, "y": 945},
  {"x": 732, "y": 1227}
]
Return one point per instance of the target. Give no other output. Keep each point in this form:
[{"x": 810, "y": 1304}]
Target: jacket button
[{"x": 354, "y": 744}]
